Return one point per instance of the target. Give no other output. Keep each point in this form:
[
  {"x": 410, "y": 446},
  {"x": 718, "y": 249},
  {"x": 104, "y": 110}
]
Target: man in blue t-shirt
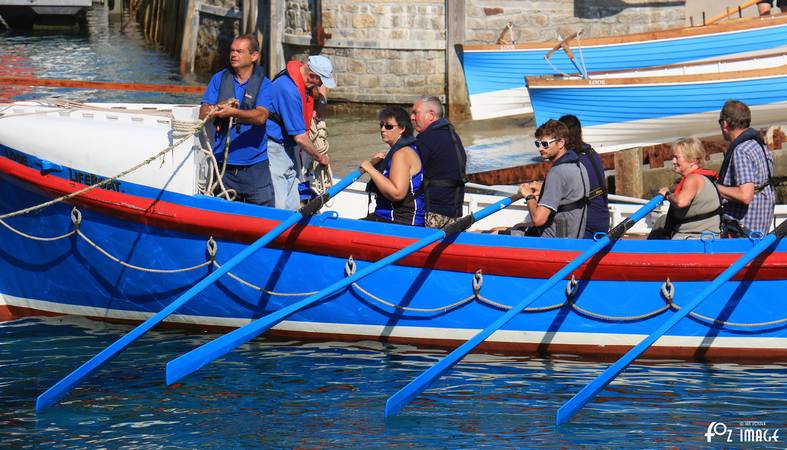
[
  {"x": 245, "y": 150},
  {"x": 289, "y": 101}
]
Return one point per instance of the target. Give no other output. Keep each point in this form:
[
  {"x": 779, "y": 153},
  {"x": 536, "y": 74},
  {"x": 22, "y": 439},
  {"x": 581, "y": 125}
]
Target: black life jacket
[
  {"x": 726, "y": 165},
  {"x": 570, "y": 157},
  {"x": 458, "y": 183},
  {"x": 227, "y": 91}
]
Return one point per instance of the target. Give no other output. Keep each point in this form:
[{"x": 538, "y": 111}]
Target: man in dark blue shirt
[{"x": 240, "y": 141}]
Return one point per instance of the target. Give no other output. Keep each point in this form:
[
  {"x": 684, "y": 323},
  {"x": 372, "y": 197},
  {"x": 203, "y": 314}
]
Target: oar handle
[
  {"x": 730, "y": 12},
  {"x": 621, "y": 228},
  {"x": 318, "y": 202},
  {"x": 464, "y": 223}
]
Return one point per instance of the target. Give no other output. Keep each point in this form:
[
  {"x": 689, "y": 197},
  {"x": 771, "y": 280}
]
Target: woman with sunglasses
[{"x": 397, "y": 176}]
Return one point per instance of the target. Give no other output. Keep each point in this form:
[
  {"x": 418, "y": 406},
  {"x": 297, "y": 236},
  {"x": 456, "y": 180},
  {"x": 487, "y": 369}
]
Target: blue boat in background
[
  {"x": 626, "y": 109},
  {"x": 494, "y": 73}
]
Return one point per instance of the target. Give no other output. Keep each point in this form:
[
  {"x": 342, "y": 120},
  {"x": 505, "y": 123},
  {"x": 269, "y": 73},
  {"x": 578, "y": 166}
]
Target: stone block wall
[
  {"x": 542, "y": 20},
  {"x": 382, "y": 51}
]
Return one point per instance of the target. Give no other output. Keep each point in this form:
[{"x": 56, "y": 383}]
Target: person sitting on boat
[
  {"x": 398, "y": 181},
  {"x": 244, "y": 152},
  {"x": 745, "y": 184},
  {"x": 444, "y": 160},
  {"x": 291, "y": 105},
  {"x": 695, "y": 205},
  {"x": 598, "y": 203},
  {"x": 558, "y": 206}
]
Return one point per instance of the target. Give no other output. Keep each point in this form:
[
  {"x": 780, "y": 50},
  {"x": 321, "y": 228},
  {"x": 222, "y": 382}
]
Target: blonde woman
[{"x": 695, "y": 205}]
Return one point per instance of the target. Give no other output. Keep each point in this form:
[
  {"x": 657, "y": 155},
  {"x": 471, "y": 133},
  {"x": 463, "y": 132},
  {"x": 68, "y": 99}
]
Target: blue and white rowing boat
[
  {"x": 128, "y": 249},
  {"x": 494, "y": 73},
  {"x": 625, "y": 109}
]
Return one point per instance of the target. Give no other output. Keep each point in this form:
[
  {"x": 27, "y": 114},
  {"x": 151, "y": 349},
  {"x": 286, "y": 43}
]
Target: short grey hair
[{"x": 433, "y": 104}]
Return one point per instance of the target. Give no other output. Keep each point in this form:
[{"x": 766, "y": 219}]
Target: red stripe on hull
[{"x": 515, "y": 262}]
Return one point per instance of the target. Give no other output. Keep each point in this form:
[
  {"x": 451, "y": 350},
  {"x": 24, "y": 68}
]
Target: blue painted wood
[
  {"x": 601, "y": 105},
  {"x": 62, "y": 387},
  {"x": 571, "y": 407},
  {"x": 199, "y": 357},
  {"x": 489, "y": 71},
  {"x": 397, "y": 401}
]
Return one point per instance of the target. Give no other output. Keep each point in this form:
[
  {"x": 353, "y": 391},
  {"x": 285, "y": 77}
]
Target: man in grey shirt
[{"x": 558, "y": 207}]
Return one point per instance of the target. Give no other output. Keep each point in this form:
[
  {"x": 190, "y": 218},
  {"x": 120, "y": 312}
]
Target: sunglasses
[
  {"x": 387, "y": 126},
  {"x": 545, "y": 144}
]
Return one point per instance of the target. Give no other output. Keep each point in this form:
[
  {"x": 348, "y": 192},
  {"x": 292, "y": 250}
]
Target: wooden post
[
  {"x": 275, "y": 55},
  {"x": 458, "y": 101},
  {"x": 189, "y": 33},
  {"x": 628, "y": 173}
]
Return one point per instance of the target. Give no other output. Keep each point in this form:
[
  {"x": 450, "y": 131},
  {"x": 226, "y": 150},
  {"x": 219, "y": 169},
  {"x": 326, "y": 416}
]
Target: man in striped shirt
[{"x": 745, "y": 175}]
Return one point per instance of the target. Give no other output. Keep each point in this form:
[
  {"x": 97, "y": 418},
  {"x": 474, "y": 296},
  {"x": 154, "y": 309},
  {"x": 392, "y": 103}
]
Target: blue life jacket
[{"x": 411, "y": 210}]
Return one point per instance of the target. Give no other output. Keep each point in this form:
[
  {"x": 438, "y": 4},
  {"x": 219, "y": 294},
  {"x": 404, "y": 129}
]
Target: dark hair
[
  {"x": 574, "y": 137},
  {"x": 400, "y": 116},
  {"x": 254, "y": 46},
  {"x": 553, "y": 129},
  {"x": 736, "y": 114}
]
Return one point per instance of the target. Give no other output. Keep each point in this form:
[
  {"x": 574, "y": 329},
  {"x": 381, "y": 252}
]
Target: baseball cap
[{"x": 322, "y": 66}]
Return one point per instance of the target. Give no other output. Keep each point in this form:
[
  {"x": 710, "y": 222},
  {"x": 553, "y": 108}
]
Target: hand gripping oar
[
  {"x": 62, "y": 387},
  {"x": 200, "y": 356},
  {"x": 397, "y": 401},
  {"x": 571, "y": 407}
]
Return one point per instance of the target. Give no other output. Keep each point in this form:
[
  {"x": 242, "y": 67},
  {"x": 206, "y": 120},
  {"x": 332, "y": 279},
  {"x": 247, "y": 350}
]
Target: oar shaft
[
  {"x": 199, "y": 357},
  {"x": 572, "y": 406},
  {"x": 62, "y": 387},
  {"x": 397, "y": 401}
]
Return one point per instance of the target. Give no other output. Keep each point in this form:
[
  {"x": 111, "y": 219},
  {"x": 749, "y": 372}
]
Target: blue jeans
[
  {"x": 252, "y": 183},
  {"x": 284, "y": 176}
]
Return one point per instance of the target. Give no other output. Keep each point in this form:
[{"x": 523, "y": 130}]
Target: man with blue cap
[{"x": 290, "y": 102}]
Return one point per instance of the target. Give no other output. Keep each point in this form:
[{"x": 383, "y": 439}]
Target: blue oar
[
  {"x": 62, "y": 387},
  {"x": 571, "y": 407},
  {"x": 200, "y": 356},
  {"x": 397, "y": 401}
]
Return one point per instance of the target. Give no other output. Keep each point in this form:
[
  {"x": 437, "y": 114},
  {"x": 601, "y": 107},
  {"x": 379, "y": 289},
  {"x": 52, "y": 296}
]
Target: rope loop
[
  {"x": 349, "y": 266},
  {"x": 212, "y": 248},
  {"x": 668, "y": 291},
  {"x": 478, "y": 281},
  {"x": 76, "y": 217},
  {"x": 571, "y": 287}
]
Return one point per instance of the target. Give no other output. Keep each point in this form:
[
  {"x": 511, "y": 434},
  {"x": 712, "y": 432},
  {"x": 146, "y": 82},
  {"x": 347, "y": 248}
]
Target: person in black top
[
  {"x": 444, "y": 162},
  {"x": 598, "y": 203}
]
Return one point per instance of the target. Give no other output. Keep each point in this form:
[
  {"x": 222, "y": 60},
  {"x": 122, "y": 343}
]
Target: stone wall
[
  {"x": 535, "y": 21},
  {"x": 382, "y": 51}
]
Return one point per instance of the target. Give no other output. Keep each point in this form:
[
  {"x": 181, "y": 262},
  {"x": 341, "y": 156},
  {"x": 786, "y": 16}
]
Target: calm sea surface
[{"x": 313, "y": 395}]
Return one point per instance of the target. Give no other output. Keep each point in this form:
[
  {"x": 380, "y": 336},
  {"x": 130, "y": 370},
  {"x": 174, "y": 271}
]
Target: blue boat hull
[{"x": 429, "y": 298}]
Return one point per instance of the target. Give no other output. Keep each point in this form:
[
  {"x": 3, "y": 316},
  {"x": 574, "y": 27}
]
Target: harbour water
[{"x": 285, "y": 394}]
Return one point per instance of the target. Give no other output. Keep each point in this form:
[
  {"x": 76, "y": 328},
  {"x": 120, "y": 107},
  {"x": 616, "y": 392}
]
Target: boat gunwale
[{"x": 737, "y": 25}]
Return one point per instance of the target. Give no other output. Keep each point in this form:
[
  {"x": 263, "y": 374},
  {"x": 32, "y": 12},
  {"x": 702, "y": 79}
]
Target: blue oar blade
[
  {"x": 200, "y": 356},
  {"x": 573, "y": 405},
  {"x": 62, "y": 387},
  {"x": 397, "y": 401}
]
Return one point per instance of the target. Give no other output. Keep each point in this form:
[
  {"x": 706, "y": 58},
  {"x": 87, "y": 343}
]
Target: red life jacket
[
  {"x": 708, "y": 173},
  {"x": 294, "y": 72}
]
